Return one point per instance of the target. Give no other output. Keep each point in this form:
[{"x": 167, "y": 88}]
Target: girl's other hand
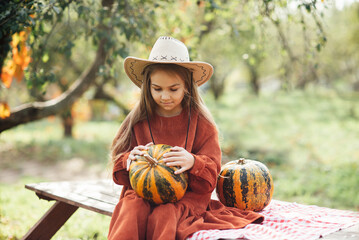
[
  {"x": 135, "y": 152},
  {"x": 179, "y": 156}
]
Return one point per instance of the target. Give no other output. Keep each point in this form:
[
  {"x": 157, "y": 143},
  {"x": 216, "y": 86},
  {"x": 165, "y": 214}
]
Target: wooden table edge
[{"x": 49, "y": 197}]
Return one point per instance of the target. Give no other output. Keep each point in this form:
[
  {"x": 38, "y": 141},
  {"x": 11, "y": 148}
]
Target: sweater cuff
[
  {"x": 121, "y": 162},
  {"x": 124, "y": 161},
  {"x": 198, "y": 166}
]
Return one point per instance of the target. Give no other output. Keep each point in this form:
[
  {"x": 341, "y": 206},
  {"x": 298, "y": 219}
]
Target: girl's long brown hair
[{"x": 122, "y": 141}]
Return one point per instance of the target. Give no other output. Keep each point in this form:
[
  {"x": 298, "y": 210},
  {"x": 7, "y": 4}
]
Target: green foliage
[
  {"x": 339, "y": 60},
  {"x": 297, "y": 136},
  {"x": 14, "y": 18},
  {"x": 332, "y": 185},
  {"x": 299, "y": 127},
  {"x": 59, "y": 29}
]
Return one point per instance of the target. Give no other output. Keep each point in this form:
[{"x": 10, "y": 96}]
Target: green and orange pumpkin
[
  {"x": 245, "y": 184},
  {"x": 152, "y": 180}
]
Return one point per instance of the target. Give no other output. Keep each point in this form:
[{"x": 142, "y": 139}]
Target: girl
[{"x": 171, "y": 112}]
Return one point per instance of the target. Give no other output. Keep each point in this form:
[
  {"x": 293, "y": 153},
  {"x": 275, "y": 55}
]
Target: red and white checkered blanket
[{"x": 284, "y": 220}]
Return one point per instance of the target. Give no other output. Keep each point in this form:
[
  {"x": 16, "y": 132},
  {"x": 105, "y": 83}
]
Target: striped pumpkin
[
  {"x": 153, "y": 180},
  {"x": 245, "y": 184}
]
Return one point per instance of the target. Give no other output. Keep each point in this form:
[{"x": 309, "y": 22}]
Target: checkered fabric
[{"x": 284, "y": 220}]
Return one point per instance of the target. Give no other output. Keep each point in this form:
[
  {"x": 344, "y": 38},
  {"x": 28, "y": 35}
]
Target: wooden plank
[
  {"x": 81, "y": 201},
  {"x": 104, "y": 187},
  {"x": 81, "y": 194},
  {"x": 51, "y": 221},
  {"x": 351, "y": 233}
]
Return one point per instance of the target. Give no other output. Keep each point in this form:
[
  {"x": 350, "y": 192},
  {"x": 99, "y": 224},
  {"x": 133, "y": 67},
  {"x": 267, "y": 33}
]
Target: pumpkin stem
[
  {"x": 241, "y": 161},
  {"x": 150, "y": 159}
]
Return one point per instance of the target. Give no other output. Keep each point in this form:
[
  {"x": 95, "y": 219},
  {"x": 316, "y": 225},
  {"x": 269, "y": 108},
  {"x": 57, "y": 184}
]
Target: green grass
[
  {"x": 42, "y": 141},
  {"x": 20, "y": 209},
  {"x": 309, "y": 141}
]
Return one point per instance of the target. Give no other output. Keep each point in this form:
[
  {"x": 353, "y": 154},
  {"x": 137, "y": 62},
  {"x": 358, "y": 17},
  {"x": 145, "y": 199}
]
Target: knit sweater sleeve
[
  {"x": 207, "y": 154},
  {"x": 120, "y": 174}
]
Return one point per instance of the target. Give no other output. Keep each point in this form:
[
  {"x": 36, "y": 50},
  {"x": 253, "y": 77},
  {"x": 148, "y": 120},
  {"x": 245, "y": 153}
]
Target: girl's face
[{"x": 167, "y": 90}]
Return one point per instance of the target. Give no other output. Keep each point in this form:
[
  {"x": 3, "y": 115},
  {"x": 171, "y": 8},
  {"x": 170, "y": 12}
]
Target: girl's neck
[{"x": 169, "y": 114}]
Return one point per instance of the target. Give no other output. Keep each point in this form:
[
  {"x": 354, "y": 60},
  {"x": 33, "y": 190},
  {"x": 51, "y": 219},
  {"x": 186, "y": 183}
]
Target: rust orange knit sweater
[{"x": 135, "y": 218}]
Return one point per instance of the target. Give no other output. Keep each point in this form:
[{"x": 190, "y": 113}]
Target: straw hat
[{"x": 168, "y": 50}]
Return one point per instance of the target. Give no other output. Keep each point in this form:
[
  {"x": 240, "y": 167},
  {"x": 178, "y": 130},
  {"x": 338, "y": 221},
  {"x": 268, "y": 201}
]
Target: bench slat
[{"x": 81, "y": 194}]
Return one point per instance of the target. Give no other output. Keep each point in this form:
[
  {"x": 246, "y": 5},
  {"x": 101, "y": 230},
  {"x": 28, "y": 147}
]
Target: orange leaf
[
  {"x": 16, "y": 56},
  {"x": 22, "y": 36},
  {"x": 20, "y": 59},
  {"x": 6, "y": 79},
  {"x": 19, "y": 73},
  {"x": 4, "y": 110},
  {"x": 8, "y": 72}
]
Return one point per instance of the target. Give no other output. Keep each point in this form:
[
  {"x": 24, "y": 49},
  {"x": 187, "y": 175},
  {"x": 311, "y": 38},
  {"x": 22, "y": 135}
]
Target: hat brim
[{"x": 202, "y": 71}]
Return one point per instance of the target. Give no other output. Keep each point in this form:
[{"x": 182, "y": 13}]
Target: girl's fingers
[
  {"x": 174, "y": 158},
  {"x": 137, "y": 152},
  {"x": 174, "y": 163},
  {"x": 141, "y": 148},
  {"x": 172, "y": 154},
  {"x": 181, "y": 170},
  {"x": 177, "y": 148}
]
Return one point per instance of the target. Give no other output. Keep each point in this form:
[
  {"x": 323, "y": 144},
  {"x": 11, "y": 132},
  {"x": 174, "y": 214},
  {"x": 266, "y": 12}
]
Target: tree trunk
[
  {"x": 254, "y": 81},
  {"x": 217, "y": 87},
  {"x": 67, "y": 123}
]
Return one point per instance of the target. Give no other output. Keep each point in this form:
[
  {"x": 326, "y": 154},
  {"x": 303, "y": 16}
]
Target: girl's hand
[
  {"x": 179, "y": 156},
  {"x": 136, "y": 151}
]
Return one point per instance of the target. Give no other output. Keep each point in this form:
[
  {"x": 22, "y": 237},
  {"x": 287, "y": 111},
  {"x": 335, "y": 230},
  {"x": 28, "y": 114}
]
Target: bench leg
[{"x": 51, "y": 221}]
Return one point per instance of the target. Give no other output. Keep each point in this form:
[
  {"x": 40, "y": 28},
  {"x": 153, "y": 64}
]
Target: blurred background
[{"x": 285, "y": 92}]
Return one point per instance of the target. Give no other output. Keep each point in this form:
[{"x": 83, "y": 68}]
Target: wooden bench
[{"x": 100, "y": 196}]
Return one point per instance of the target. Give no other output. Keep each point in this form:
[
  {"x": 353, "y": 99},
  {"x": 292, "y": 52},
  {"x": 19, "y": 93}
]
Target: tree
[
  {"x": 300, "y": 67},
  {"x": 340, "y": 59},
  {"x": 112, "y": 27},
  {"x": 243, "y": 32},
  {"x": 15, "y": 16},
  {"x": 109, "y": 25}
]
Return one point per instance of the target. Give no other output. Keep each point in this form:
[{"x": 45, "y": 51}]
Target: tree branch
[{"x": 38, "y": 110}]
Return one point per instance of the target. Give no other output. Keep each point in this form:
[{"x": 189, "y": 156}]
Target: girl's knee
[
  {"x": 134, "y": 203},
  {"x": 164, "y": 211}
]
